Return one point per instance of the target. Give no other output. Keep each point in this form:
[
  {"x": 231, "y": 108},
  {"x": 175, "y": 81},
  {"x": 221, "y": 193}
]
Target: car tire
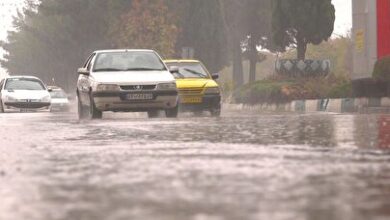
[
  {"x": 173, "y": 112},
  {"x": 81, "y": 110},
  {"x": 94, "y": 113},
  {"x": 198, "y": 113},
  {"x": 1, "y": 107},
  {"x": 215, "y": 112},
  {"x": 153, "y": 114}
]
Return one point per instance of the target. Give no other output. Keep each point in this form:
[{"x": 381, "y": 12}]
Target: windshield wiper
[
  {"x": 107, "y": 70},
  {"x": 195, "y": 73},
  {"x": 144, "y": 69}
]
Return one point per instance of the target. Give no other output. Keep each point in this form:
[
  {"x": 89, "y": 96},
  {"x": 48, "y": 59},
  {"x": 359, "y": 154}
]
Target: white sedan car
[
  {"x": 23, "y": 93},
  {"x": 59, "y": 100},
  {"x": 126, "y": 81}
]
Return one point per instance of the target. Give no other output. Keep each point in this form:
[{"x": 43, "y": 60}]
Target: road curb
[{"x": 345, "y": 105}]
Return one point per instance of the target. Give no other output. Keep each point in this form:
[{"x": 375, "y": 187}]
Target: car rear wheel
[
  {"x": 215, "y": 112},
  {"x": 94, "y": 113},
  {"x": 173, "y": 112},
  {"x": 198, "y": 113},
  {"x": 153, "y": 114}
]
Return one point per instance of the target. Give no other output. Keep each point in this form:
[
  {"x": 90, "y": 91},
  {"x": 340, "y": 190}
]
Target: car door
[{"x": 84, "y": 82}]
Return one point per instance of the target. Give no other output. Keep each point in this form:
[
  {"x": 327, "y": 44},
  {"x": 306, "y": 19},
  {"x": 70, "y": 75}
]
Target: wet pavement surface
[{"x": 255, "y": 166}]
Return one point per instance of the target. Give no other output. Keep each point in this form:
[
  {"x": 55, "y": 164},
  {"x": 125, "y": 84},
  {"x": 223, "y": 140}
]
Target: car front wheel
[
  {"x": 94, "y": 113},
  {"x": 81, "y": 110},
  {"x": 173, "y": 112}
]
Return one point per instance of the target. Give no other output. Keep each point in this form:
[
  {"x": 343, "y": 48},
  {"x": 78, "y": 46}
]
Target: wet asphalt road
[{"x": 254, "y": 166}]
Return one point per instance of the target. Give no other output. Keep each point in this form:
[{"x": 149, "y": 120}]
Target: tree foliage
[
  {"x": 148, "y": 24},
  {"x": 202, "y": 28},
  {"x": 302, "y": 22},
  {"x": 54, "y": 37},
  {"x": 53, "y": 40},
  {"x": 382, "y": 69}
]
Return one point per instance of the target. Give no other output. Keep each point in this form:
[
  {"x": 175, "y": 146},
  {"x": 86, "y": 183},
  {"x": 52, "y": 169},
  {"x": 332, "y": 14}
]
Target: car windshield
[
  {"x": 58, "y": 94},
  {"x": 128, "y": 61},
  {"x": 24, "y": 84},
  {"x": 190, "y": 70}
]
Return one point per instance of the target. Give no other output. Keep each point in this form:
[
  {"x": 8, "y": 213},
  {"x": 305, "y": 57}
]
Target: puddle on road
[
  {"x": 265, "y": 167},
  {"x": 363, "y": 132}
]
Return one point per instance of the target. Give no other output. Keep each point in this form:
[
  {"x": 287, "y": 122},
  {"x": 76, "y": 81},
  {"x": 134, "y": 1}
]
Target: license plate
[
  {"x": 139, "y": 96},
  {"x": 191, "y": 100}
]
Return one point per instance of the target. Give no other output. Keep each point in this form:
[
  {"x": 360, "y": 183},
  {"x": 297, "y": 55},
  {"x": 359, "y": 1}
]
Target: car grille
[
  {"x": 28, "y": 105},
  {"x": 192, "y": 91},
  {"x": 138, "y": 87}
]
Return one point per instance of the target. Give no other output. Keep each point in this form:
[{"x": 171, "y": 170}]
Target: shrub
[
  {"x": 281, "y": 90},
  {"x": 341, "y": 90},
  {"x": 382, "y": 69},
  {"x": 265, "y": 91}
]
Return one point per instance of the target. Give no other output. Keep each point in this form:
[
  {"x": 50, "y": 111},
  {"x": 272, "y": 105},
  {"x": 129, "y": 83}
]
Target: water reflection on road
[{"x": 317, "y": 166}]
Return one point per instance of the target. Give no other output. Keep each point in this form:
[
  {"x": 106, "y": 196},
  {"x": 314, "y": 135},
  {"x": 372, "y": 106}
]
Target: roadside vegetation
[
  {"x": 239, "y": 39},
  {"x": 272, "y": 88},
  {"x": 280, "y": 90},
  {"x": 52, "y": 37}
]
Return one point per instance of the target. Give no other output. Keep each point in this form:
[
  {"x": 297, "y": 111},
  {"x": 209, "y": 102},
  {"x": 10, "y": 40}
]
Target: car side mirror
[
  {"x": 215, "y": 76},
  {"x": 174, "y": 69},
  {"x": 50, "y": 90},
  {"x": 83, "y": 71}
]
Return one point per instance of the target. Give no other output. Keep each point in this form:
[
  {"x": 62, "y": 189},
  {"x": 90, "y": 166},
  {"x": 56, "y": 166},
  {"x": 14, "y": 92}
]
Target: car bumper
[
  {"x": 208, "y": 102},
  {"x": 59, "y": 107},
  {"x": 26, "y": 106},
  {"x": 116, "y": 101}
]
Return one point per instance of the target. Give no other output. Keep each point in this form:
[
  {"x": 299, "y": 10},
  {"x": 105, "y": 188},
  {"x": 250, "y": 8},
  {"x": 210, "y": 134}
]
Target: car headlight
[
  {"x": 46, "y": 99},
  {"x": 214, "y": 90},
  {"x": 167, "y": 86},
  {"x": 107, "y": 87},
  {"x": 10, "y": 98}
]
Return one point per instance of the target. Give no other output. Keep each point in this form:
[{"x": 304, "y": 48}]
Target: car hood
[
  {"x": 133, "y": 77},
  {"x": 195, "y": 83},
  {"x": 27, "y": 94}
]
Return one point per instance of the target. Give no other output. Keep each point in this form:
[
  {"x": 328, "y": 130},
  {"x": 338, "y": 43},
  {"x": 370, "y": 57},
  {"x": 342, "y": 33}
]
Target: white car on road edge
[{"x": 23, "y": 93}]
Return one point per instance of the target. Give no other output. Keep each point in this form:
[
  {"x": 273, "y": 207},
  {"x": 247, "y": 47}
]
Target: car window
[
  {"x": 190, "y": 70},
  {"x": 88, "y": 60},
  {"x": 24, "y": 84},
  {"x": 128, "y": 61}
]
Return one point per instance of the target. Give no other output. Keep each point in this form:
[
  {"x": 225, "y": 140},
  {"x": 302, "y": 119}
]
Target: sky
[{"x": 8, "y": 8}]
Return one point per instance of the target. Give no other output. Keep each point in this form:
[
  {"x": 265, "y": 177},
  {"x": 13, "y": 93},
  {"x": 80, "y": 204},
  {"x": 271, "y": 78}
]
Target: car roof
[
  {"x": 123, "y": 50},
  {"x": 54, "y": 88},
  {"x": 182, "y": 61},
  {"x": 21, "y": 76}
]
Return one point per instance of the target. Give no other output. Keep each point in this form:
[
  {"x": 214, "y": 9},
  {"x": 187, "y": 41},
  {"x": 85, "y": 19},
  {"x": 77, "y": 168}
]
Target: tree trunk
[
  {"x": 252, "y": 60},
  {"x": 238, "y": 76},
  {"x": 235, "y": 46},
  {"x": 301, "y": 47}
]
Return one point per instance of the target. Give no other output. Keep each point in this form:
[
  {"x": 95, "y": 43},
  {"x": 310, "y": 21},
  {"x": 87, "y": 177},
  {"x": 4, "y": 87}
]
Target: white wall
[{"x": 365, "y": 23}]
